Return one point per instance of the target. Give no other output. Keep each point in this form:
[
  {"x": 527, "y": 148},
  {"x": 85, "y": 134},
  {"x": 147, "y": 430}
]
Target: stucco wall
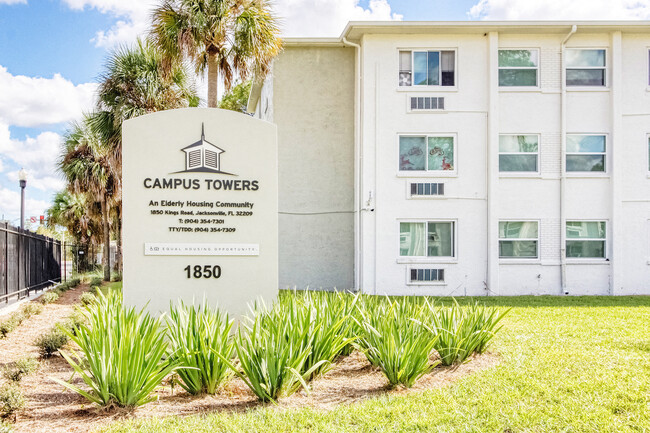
[{"x": 313, "y": 108}]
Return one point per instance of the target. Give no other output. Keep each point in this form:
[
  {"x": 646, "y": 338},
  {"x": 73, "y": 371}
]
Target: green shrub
[
  {"x": 122, "y": 354},
  {"x": 116, "y": 276},
  {"x": 51, "y": 341},
  {"x": 21, "y": 368},
  {"x": 48, "y": 298},
  {"x": 8, "y": 325},
  {"x": 57, "y": 291},
  {"x": 87, "y": 298},
  {"x": 11, "y": 400},
  {"x": 321, "y": 318},
  {"x": 63, "y": 287},
  {"x": 96, "y": 281},
  {"x": 93, "y": 290},
  {"x": 197, "y": 335},
  {"x": 463, "y": 331},
  {"x": 271, "y": 354},
  {"x": 74, "y": 322},
  {"x": 31, "y": 309},
  {"x": 395, "y": 340},
  {"x": 73, "y": 282},
  {"x": 5, "y": 427}
]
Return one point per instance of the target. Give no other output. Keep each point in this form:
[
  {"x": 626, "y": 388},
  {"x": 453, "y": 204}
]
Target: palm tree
[
  {"x": 73, "y": 211},
  {"x": 87, "y": 165},
  {"x": 229, "y": 38},
  {"x": 137, "y": 81}
]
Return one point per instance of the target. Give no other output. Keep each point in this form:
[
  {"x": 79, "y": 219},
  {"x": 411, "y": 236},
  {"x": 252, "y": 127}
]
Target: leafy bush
[
  {"x": 122, "y": 354},
  {"x": 96, "y": 281},
  {"x": 93, "y": 290},
  {"x": 197, "y": 335},
  {"x": 271, "y": 354},
  {"x": 51, "y": 341},
  {"x": 31, "y": 309},
  {"x": 395, "y": 340},
  {"x": 74, "y": 322},
  {"x": 87, "y": 298},
  {"x": 48, "y": 298},
  {"x": 73, "y": 282},
  {"x": 321, "y": 318},
  {"x": 8, "y": 325},
  {"x": 463, "y": 331},
  {"x": 24, "y": 366},
  {"x": 11, "y": 400},
  {"x": 6, "y": 428},
  {"x": 116, "y": 276}
]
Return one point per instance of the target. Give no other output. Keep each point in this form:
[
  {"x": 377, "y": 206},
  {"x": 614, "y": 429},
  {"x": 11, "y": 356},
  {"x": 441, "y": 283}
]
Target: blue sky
[{"x": 52, "y": 52}]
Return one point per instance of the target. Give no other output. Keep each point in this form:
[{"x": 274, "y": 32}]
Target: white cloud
[
  {"x": 37, "y": 156},
  {"x": 33, "y": 101},
  {"x": 328, "y": 17},
  {"x": 134, "y": 17},
  {"x": 561, "y": 10},
  {"x": 10, "y": 205},
  {"x": 12, "y": 2}
]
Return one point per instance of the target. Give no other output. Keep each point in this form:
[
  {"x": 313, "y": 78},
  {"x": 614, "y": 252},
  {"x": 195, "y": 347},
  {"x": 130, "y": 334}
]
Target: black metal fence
[{"x": 28, "y": 262}]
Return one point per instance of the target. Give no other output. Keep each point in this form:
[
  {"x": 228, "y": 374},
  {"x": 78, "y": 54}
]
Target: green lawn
[{"x": 571, "y": 364}]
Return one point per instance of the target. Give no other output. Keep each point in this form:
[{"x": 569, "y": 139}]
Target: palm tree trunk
[
  {"x": 213, "y": 80},
  {"x": 106, "y": 260}
]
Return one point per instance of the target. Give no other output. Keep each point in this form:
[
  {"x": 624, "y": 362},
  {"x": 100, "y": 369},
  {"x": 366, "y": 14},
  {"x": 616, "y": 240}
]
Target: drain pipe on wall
[
  {"x": 358, "y": 159},
  {"x": 563, "y": 129}
]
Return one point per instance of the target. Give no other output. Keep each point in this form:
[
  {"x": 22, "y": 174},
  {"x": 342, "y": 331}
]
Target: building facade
[{"x": 465, "y": 158}]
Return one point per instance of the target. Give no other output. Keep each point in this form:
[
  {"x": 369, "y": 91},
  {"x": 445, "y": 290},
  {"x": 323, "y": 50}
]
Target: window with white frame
[
  {"x": 518, "y": 153},
  {"x": 518, "y": 68},
  {"x": 585, "y": 153},
  {"x": 426, "y": 153},
  {"x": 585, "y": 239},
  {"x": 427, "y": 68},
  {"x": 427, "y": 239},
  {"x": 585, "y": 67},
  {"x": 518, "y": 239}
]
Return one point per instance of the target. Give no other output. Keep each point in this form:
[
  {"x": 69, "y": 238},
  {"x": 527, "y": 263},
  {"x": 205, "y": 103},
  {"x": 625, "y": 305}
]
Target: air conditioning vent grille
[
  {"x": 427, "y": 189},
  {"x": 427, "y": 103},
  {"x": 427, "y": 275}
]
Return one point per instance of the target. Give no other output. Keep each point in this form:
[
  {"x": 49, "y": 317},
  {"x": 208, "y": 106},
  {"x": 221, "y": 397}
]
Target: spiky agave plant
[
  {"x": 395, "y": 340},
  {"x": 272, "y": 354},
  {"x": 196, "y": 335},
  {"x": 122, "y": 357}
]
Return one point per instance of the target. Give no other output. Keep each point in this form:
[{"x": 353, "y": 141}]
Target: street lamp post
[{"x": 22, "y": 178}]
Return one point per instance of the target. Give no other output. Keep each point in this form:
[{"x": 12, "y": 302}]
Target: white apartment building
[{"x": 465, "y": 158}]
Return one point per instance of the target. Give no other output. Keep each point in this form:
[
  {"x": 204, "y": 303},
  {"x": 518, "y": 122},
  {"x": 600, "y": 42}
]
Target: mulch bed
[{"x": 51, "y": 409}]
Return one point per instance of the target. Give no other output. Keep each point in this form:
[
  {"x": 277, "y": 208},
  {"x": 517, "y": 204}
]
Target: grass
[{"x": 574, "y": 364}]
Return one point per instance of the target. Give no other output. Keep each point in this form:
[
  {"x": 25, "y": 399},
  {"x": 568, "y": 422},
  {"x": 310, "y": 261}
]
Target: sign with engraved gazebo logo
[{"x": 200, "y": 209}]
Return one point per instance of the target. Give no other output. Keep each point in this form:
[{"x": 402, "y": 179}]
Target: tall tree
[
  {"x": 88, "y": 167},
  {"x": 228, "y": 38},
  {"x": 73, "y": 211},
  {"x": 237, "y": 98},
  {"x": 137, "y": 81}
]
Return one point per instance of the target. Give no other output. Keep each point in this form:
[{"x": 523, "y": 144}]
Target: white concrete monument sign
[{"x": 200, "y": 209}]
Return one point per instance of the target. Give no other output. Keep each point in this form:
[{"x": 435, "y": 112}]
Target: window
[
  {"x": 426, "y": 239},
  {"x": 585, "y": 153},
  {"x": 585, "y": 239},
  {"x": 426, "y": 153},
  {"x": 427, "y": 68},
  {"x": 518, "y": 239},
  {"x": 649, "y": 153},
  {"x": 518, "y": 68},
  {"x": 518, "y": 153},
  {"x": 585, "y": 67}
]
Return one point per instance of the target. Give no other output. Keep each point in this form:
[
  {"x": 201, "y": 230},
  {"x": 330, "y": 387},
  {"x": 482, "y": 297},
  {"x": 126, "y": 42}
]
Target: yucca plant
[
  {"x": 197, "y": 335},
  {"x": 463, "y": 331},
  {"x": 395, "y": 340},
  {"x": 122, "y": 355},
  {"x": 272, "y": 354}
]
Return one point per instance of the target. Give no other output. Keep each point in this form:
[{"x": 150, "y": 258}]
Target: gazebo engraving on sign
[{"x": 203, "y": 156}]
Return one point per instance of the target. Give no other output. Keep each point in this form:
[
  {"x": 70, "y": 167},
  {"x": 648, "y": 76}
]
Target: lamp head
[{"x": 22, "y": 177}]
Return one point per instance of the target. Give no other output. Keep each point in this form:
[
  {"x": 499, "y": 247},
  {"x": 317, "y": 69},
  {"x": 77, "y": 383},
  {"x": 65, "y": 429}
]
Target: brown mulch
[{"x": 51, "y": 409}]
